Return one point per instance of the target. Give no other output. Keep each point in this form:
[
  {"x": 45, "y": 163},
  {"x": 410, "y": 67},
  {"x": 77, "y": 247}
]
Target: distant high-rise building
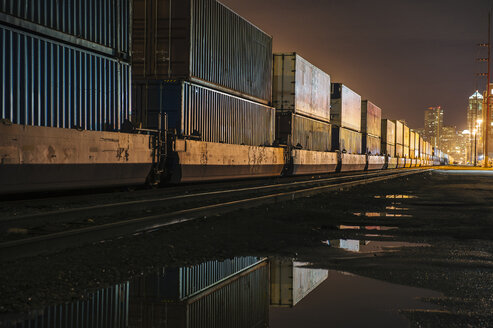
[
  {"x": 474, "y": 113},
  {"x": 433, "y": 125},
  {"x": 452, "y": 143}
]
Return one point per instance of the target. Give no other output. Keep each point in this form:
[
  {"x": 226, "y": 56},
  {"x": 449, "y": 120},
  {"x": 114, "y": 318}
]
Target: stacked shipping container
[
  {"x": 213, "y": 61},
  {"x": 406, "y": 141},
  {"x": 388, "y": 137},
  {"x": 399, "y": 139},
  {"x": 59, "y": 70},
  {"x": 371, "y": 127},
  {"x": 412, "y": 145},
  {"x": 345, "y": 115},
  {"x": 186, "y": 297},
  {"x": 302, "y": 100}
]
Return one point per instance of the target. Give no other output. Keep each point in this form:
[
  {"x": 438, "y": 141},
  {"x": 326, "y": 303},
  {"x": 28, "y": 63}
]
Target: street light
[
  {"x": 468, "y": 133},
  {"x": 476, "y": 130}
]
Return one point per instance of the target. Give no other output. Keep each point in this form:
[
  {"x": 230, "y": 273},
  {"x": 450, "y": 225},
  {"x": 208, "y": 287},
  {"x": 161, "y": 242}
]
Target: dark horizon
[{"x": 418, "y": 54}]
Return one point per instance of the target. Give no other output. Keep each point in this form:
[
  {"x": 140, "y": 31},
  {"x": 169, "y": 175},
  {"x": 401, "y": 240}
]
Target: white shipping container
[
  {"x": 345, "y": 107},
  {"x": 399, "y": 133},
  {"x": 300, "y": 87},
  {"x": 290, "y": 281},
  {"x": 371, "y": 118}
]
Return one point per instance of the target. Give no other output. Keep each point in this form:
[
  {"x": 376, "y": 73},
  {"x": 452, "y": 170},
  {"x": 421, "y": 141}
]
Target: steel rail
[
  {"x": 72, "y": 238},
  {"x": 18, "y": 219}
]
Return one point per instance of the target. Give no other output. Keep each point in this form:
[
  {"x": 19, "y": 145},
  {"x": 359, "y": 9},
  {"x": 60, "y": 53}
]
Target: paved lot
[{"x": 444, "y": 218}]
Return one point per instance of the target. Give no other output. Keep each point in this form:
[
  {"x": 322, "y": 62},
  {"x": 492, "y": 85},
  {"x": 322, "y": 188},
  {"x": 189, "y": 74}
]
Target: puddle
[
  {"x": 394, "y": 208},
  {"x": 365, "y": 246},
  {"x": 377, "y": 236},
  {"x": 239, "y": 292},
  {"x": 381, "y": 228},
  {"x": 396, "y": 196},
  {"x": 348, "y": 301},
  {"x": 382, "y": 214}
]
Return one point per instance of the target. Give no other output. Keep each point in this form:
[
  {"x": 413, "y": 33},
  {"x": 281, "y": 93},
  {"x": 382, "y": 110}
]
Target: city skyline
[{"x": 370, "y": 50}]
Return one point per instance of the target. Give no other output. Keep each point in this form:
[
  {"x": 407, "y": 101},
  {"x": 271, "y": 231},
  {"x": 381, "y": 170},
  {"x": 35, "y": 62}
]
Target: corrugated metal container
[
  {"x": 406, "y": 152},
  {"x": 371, "y": 145},
  {"x": 290, "y": 281},
  {"x": 241, "y": 301},
  {"x": 412, "y": 140},
  {"x": 46, "y": 83},
  {"x": 388, "y": 132},
  {"x": 416, "y": 141},
  {"x": 371, "y": 118},
  {"x": 101, "y": 25},
  {"x": 399, "y": 133},
  {"x": 399, "y": 150},
  {"x": 388, "y": 149},
  {"x": 204, "y": 42},
  {"x": 345, "y": 107},
  {"x": 205, "y": 113},
  {"x": 346, "y": 140},
  {"x": 300, "y": 87},
  {"x": 406, "y": 135},
  {"x": 177, "y": 284},
  {"x": 107, "y": 307},
  {"x": 302, "y": 132}
]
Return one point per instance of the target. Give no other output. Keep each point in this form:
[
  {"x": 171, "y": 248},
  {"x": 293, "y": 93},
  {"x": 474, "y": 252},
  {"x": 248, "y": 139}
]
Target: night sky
[{"x": 403, "y": 55}]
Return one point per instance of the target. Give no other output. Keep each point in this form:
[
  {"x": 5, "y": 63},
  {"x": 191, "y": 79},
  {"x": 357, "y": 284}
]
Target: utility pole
[{"x": 487, "y": 124}]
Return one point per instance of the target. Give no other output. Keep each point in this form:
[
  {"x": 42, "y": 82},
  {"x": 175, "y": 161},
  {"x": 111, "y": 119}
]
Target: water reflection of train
[
  {"x": 205, "y": 100},
  {"x": 234, "y": 293}
]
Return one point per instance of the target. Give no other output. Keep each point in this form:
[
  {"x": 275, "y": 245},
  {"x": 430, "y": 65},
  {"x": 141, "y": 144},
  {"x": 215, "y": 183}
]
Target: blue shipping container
[
  {"x": 47, "y": 83},
  {"x": 104, "y": 24},
  {"x": 205, "y": 113}
]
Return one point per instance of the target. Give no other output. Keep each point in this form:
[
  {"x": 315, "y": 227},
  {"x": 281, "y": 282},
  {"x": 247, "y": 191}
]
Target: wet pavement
[{"x": 412, "y": 252}]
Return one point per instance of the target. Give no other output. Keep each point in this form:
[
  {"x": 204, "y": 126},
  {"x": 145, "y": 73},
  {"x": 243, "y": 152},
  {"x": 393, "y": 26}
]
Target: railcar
[{"x": 85, "y": 105}]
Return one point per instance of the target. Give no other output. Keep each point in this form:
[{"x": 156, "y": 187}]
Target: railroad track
[{"x": 169, "y": 210}]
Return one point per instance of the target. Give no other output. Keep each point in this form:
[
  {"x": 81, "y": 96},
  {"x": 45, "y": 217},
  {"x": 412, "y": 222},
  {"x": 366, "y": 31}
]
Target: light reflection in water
[
  {"x": 365, "y": 246},
  {"x": 382, "y": 214},
  {"x": 233, "y": 293},
  {"x": 381, "y": 228},
  {"x": 396, "y": 196}
]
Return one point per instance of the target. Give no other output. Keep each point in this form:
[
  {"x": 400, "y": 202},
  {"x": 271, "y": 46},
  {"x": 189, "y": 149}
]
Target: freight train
[{"x": 104, "y": 93}]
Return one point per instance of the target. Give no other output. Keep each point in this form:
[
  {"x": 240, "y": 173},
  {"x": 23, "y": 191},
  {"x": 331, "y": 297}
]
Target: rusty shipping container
[
  {"x": 201, "y": 41},
  {"x": 388, "y": 132},
  {"x": 399, "y": 133},
  {"x": 103, "y": 26},
  {"x": 202, "y": 113},
  {"x": 371, "y": 119},
  {"x": 346, "y": 140},
  {"x": 48, "y": 83},
  {"x": 302, "y": 132},
  {"x": 345, "y": 107},
  {"x": 371, "y": 145},
  {"x": 300, "y": 87},
  {"x": 406, "y": 135}
]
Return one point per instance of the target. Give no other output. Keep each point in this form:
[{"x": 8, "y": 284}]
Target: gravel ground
[{"x": 450, "y": 212}]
